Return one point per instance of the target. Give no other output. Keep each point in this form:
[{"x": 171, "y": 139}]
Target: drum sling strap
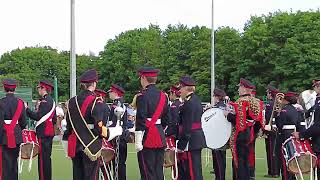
[
  {"x": 153, "y": 139},
  {"x": 49, "y": 124},
  {"x": 10, "y": 127},
  {"x": 81, "y": 130}
]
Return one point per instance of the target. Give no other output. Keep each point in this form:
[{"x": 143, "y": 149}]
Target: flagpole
[
  {"x": 212, "y": 52},
  {"x": 73, "y": 82}
]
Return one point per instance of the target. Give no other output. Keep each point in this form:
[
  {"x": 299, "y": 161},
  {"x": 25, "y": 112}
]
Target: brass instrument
[{"x": 277, "y": 106}]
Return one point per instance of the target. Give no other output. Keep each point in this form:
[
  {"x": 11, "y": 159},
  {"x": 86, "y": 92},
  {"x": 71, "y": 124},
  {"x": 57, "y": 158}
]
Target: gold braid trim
[
  {"x": 254, "y": 106},
  {"x": 91, "y": 156}
]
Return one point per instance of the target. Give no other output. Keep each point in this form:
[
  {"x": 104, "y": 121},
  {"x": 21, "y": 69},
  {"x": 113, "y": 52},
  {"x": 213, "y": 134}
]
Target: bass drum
[{"x": 216, "y": 128}]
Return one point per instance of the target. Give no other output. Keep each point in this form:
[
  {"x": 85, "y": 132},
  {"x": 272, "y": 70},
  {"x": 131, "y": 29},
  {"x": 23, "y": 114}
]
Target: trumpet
[{"x": 277, "y": 106}]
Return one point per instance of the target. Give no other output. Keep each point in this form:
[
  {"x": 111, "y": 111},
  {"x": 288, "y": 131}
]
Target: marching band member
[
  {"x": 116, "y": 95},
  {"x": 176, "y": 103},
  {"x": 85, "y": 129},
  {"x": 286, "y": 124},
  {"x": 152, "y": 116},
  {"x": 12, "y": 122},
  {"x": 272, "y": 157},
  {"x": 219, "y": 156},
  {"x": 314, "y": 130},
  {"x": 247, "y": 109},
  {"x": 45, "y": 117},
  {"x": 101, "y": 95},
  {"x": 191, "y": 136},
  {"x": 255, "y": 127}
]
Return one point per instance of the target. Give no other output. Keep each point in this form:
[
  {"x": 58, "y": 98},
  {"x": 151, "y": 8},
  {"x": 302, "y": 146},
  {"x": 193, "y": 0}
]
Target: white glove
[
  {"x": 65, "y": 146},
  {"x": 138, "y": 136},
  {"x": 114, "y": 132},
  {"x": 267, "y": 127}
]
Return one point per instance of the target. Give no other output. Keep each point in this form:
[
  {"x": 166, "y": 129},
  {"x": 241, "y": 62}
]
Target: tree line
[{"x": 281, "y": 48}]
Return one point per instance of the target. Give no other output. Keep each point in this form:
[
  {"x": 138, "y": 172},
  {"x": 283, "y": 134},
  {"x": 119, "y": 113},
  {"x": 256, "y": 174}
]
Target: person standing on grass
[
  {"x": 219, "y": 155},
  {"x": 286, "y": 123},
  {"x": 45, "y": 117},
  {"x": 247, "y": 109},
  {"x": 12, "y": 122},
  {"x": 152, "y": 116},
  {"x": 272, "y": 156},
  {"x": 314, "y": 130},
  {"x": 191, "y": 139},
  {"x": 116, "y": 94},
  {"x": 85, "y": 129}
]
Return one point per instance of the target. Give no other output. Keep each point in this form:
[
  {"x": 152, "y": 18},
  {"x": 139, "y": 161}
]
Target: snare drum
[
  {"x": 107, "y": 151},
  {"x": 30, "y": 146},
  {"x": 298, "y": 154},
  {"x": 169, "y": 154}
]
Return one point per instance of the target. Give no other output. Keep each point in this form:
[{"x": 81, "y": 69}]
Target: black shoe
[
  {"x": 275, "y": 176},
  {"x": 211, "y": 172}
]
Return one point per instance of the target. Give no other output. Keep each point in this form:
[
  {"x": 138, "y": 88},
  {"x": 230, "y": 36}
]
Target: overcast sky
[{"x": 47, "y": 22}]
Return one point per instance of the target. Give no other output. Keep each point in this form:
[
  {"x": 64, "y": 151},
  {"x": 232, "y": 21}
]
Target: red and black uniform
[
  {"x": 152, "y": 118},
  {"x": 101, "y": 94},
  {"x": 84, "y": 167},
  {"x": 248, "y": 111},
  {"x": 286, "y": 123},
  {"x": 219, "y": 155},
  {"x": 313, "y": 131},
  {"x": 191, "y": 138},
  {"x": 271, "y": 152},
  {"x": 12, "y": 122},
  {"x": 123, "y": 138},
  {"x": 45, "y": 134},
  {"x": 85, "y": 127}
]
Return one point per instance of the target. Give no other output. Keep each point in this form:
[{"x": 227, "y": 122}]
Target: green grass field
[{"x": 62, "y": 169}]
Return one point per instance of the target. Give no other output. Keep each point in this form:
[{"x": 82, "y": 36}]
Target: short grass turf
[{"x": 62, "y": 166}]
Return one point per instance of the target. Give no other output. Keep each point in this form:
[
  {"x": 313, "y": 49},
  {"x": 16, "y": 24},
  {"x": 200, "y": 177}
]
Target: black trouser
[
  {"x": 8, "y": 162},
  {"x": 252, "y": 158},
  {"x": 219, "y": 163},
  {"x": 242, "y": 171},
  {"x": 272, "y": 155},
  {"x": 151, "y": 163},
  {"x": 122, "y": 159},
  {"x": 191, "y": 168},
  {"x": 44, "y": 158},
  {"x": 84, "y": 168}
]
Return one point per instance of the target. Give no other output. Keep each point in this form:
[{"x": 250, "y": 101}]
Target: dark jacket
[{"x": 8, "y": 106}]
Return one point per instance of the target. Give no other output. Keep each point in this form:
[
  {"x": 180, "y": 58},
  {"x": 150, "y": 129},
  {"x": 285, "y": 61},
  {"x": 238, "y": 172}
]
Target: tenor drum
[
  {"x": 107, "y": 151},
  {"x": 30, "y": 146},
  {"x": 298, "y": 154},
  {"x": 216, "y": 128},
  {"x": 169, "y": 154}
]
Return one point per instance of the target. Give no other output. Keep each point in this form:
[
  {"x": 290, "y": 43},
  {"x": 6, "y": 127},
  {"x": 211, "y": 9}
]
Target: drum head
[
  {"x": 107, "y": 155},
  {"x": 169, "y": 159},
  {"x": 304, "y": 161},
  {"x": 216, "y": 128},
  {"x": 26, "y": 150}
]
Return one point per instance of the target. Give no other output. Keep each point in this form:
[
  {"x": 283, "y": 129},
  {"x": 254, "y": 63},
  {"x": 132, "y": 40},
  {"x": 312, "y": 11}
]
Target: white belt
[
  {"x": 302, "y": 123},
  {"x": 91, "y": 126},
  {"x": 158, "y": 120},
  {"x": 289, "y": 127},
  {"x": 8, "y": 121},
  {"x": 250, "y": 120}
]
